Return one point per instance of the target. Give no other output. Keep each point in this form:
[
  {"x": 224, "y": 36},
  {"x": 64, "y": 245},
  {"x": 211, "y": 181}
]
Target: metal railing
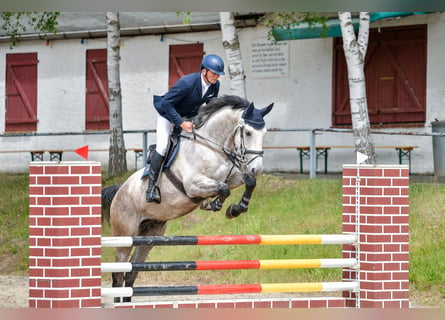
[{"x": 312, "y": 140}]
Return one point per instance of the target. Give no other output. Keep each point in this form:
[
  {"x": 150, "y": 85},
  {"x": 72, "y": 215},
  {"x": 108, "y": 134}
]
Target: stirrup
[{"x": 153, "y": 195}]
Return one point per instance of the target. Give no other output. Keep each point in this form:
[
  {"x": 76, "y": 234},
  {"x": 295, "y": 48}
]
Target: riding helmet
[{"x": 214, "y": 63}]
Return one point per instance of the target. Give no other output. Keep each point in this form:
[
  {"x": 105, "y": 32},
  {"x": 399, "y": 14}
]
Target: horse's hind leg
[
  {"x": 122, "y": 254},
  {"x": 146, "y": 228}
]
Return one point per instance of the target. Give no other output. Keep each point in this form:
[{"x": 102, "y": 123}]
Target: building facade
[{"x": 58, "y": 86}]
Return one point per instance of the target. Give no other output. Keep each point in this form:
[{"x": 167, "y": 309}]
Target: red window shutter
[
  {"x": 97, "y": 104},
  {"x": 184, "y": 59},
  {"x": 21, "y": 92},
  {"x": 395, "y": 72}
]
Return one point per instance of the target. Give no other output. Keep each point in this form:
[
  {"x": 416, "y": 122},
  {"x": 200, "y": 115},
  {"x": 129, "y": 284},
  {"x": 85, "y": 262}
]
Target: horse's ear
[
  {"x": 248, "y": 111},
  {"x": 267, "y": 109}
]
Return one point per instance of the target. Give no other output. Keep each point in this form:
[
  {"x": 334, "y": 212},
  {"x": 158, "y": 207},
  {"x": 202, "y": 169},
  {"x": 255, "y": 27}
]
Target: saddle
[{"x": 172, "y": 151}]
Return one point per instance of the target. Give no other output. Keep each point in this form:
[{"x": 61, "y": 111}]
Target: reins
[
  {"x": 235, "y": 153},
  {"x": 238, "y": 159}
]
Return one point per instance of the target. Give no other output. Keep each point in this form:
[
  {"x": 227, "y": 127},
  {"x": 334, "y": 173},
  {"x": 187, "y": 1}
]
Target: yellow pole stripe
[
  {"x": 291, "y": 239},
  {"x": 290, "y": 263},
  {"x": 292, "y": 287}
]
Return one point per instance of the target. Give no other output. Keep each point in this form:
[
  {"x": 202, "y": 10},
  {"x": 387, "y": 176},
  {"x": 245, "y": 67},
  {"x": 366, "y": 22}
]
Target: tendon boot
[{"x": 153, "y": 194}]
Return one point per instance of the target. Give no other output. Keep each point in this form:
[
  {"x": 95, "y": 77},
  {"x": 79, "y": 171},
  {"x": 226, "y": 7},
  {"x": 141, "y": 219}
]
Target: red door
[
  {"x": 21, "y": 92},
  {"x": 97, "y": 105},
  {"x": 395, "y": 73},
  {"x": 184, "y": 59}
]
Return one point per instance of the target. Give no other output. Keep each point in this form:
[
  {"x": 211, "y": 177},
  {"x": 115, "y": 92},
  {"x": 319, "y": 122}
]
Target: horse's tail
[{"x": 108, "y": 194}]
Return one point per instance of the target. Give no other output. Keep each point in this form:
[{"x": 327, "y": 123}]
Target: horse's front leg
[
  {"x": 234, "y": 210},
  {"x": 217, "y": 203},
  {"x": 201, "y": 186}
]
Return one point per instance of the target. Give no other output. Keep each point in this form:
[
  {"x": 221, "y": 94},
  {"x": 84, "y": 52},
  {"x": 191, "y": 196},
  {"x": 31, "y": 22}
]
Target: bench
[
  {"x": 54, "y": 155},
  {"x": 138, "y": 153},
  {"x": 37, "y": 155},
  {"x": 404, "y": 153}
]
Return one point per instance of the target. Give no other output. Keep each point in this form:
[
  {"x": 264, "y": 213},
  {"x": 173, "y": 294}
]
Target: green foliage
[
  {"x": 16, "y": 23},
  {"x": 186, "y": 17}
]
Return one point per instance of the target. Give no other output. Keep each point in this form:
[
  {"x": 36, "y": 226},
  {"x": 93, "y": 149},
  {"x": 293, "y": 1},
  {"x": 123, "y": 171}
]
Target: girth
[{"x": 179, "y": 185}]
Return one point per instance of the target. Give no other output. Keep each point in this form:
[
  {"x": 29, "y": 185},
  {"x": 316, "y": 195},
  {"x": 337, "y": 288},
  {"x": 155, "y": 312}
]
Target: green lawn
[{"x": 279, "y": 206}]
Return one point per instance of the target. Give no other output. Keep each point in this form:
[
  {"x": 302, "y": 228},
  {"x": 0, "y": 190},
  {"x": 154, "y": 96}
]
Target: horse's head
[
  {"x": 238, "y": 127},
  {"x": 249, "y": 141}
]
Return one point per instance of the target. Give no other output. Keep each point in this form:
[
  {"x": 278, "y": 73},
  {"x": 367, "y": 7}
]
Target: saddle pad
[{"x": 171, "y": 155}]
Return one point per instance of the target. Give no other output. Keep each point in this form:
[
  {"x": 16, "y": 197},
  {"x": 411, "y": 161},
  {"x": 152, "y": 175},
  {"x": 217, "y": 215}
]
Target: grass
[
  {"x": 282, "y": 210},
  {"x": 14, "y": 223},
  {"x": 279, "y": 206},
  {"x": 427, "y": 242}
]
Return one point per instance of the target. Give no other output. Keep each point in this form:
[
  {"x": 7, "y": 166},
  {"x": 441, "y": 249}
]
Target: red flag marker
[{"x": 82, "y": 151}]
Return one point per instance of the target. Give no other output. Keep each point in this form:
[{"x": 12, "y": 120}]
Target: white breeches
[{"x": 164, "y": 129}]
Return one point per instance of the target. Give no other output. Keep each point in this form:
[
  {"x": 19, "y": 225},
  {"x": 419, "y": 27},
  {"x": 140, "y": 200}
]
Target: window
[
  {"x": 184, "y": 59},
  {"x": 97, "y": 104},
  {"x": 21, "y": 92},
  {"x": 395, "y": 72}
]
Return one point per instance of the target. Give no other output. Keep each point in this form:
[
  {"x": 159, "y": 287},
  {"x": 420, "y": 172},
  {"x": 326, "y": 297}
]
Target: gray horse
[{"x": 224, "y": 152}]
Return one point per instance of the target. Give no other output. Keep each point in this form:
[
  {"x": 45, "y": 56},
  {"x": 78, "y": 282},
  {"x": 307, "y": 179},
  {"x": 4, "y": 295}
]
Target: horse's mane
[{"x": 216, "y": 104}]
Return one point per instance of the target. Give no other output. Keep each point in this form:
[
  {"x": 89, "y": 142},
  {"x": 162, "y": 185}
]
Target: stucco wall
[{"x": 302, "y": 97}]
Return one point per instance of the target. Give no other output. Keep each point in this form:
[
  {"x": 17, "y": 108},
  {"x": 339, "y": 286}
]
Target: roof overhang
[
  {"x": 131, "y": 31},
  {"x": 93, "y": 25},
  {"x": 303, "y": 31}
]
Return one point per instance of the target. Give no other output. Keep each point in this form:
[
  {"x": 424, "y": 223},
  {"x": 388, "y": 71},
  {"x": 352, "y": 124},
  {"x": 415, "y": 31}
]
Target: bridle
[{"x": 238, "y": 154}]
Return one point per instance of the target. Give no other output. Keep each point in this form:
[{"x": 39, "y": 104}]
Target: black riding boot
[{"x": 153, "y": 193}]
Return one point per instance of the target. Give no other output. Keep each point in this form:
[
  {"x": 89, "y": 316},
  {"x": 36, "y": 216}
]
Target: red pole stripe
[
  {"x": 221, "y": 240},
  {"x": 230, "y": 289},
  {"x": 223, "y": 265}
]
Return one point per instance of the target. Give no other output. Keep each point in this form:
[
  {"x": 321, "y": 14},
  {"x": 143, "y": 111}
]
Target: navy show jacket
[{"x": 184, "y": 98}]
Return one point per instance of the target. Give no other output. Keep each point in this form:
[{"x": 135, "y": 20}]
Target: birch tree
[
  {"x": 231, "y": 46},
  {"x": 355, "y": 52},
  {"x": 117, "y": 163}
]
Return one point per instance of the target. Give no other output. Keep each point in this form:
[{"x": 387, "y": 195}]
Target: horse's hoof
[
  {"x": 233, "y": 211},
  {"x": 206, "y": 205}
]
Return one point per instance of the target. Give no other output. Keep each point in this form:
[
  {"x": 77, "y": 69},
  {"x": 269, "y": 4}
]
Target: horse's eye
[{"x": 248, "y": 133}]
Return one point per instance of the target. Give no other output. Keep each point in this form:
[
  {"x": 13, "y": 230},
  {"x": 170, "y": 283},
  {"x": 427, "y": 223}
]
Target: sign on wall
[{"x": 269, "y": 59}]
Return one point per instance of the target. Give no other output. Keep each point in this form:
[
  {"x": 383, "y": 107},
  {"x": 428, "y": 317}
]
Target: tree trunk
[
  {"x": 117, "y": 163},
  {"x": 233, "y": 54},
  {"x": 355, "y": 52}
]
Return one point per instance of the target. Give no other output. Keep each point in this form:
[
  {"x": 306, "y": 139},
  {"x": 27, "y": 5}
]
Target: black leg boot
[
  {"x": 151, "y": 149},
  {"x": 153, "y": 193}
]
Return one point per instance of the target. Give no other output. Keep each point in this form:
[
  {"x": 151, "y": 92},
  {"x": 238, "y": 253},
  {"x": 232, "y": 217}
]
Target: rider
[{"x": 181, "y": 101}]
